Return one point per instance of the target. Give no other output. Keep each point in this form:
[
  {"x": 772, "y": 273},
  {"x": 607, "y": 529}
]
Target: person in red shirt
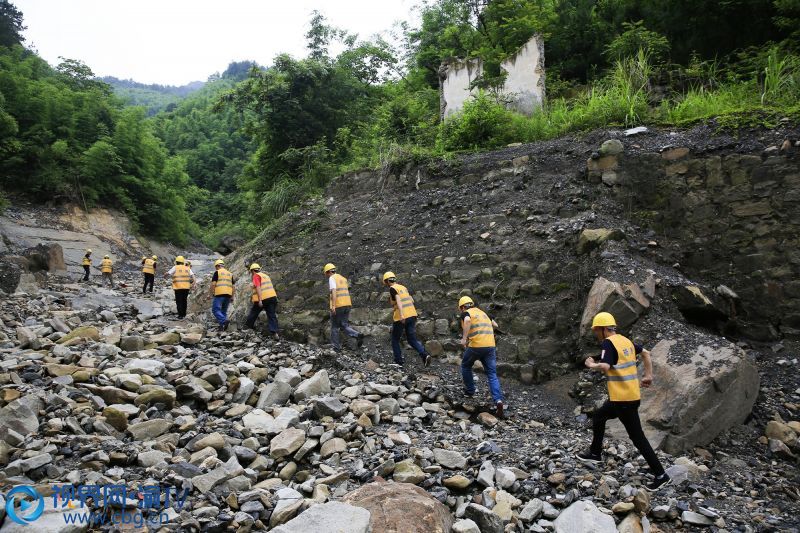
[{"x": 264, "y": 298}]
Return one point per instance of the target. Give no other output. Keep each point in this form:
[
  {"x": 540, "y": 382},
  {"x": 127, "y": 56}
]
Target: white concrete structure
[{"x": 523, "y": 88}]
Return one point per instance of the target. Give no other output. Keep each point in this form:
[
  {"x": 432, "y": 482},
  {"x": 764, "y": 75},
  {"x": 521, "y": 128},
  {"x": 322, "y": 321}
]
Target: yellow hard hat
[
  {"x": 603, "y": 320},
  {"x": 328, "y": 268},
  {"x": 465, "y": 300},
  {"x": 88, "y": 250},
  {"x": 180, "y": 259},
  {"x": 255, "y": 266},
  {"x": 389, "y": 275},
  {"x": 219, "y": 262},
  {"x": 106, "y": 257},
  {"x": 155, "y": 257}
]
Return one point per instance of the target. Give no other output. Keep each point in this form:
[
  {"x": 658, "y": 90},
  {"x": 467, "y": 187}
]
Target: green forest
[{"x": 227, "y": 159}]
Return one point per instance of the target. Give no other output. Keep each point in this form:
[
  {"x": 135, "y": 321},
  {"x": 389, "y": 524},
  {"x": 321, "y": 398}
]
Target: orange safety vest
[
  {"x": 623, "y": 378},
  {"x": 105, "y": 266},
  {"x": 86, "y": 261},
  {"x": 267, "y": 290},
  {"x": 149, "y": 266},
  {"x": 481, "y": 333},
  {"x": 224, "y": 284},
  {"x": 342, "y": 294},
  {"x": 181, "y": 279},
  {"x": 403, "y": 301}
]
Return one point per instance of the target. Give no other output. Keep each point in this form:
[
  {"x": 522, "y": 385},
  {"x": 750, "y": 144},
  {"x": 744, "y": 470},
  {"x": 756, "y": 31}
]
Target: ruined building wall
[{"x": 523, "y": 88}]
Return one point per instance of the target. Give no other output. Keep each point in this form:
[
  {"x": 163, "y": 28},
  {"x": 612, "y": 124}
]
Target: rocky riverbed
[{"x": 104, "y": 387}]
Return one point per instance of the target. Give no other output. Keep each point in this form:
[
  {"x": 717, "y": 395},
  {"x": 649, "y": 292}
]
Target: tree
[
  {"x": 11, "y": 27},
  {"x": 636, "y": 37}
]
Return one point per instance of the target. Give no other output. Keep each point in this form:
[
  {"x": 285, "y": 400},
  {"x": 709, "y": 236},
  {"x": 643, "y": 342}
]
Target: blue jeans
[
  {"x": 410, "y": 327},
  {"x": 488, "y": 358},
  {"x": 219, "y": 308},
  {"x": 270, "y": 307},
  {"x": 341, "y": 320}
]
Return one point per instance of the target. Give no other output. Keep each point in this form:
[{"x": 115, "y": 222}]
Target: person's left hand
[
  {"x": 589, "y": 362},
  {"x": 463, "y": 343},
  {"x": 647, "y": 381}
]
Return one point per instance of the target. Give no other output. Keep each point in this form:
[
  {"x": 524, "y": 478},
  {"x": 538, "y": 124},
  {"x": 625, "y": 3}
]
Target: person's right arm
[
  {"x": 647, "y": 378},
  {"x": 332, "y": 291}
]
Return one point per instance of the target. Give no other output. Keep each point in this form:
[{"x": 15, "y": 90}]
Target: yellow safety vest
[
  {"x": 149, "y": 266},
  {"x": 105, "y": 266},
  {"x": 623, "y": 378},
  {"x": 86, "y": 261},
  {"x": 342, "y": 294},
  {"x": 181, "y": 279},
  {"x": 481, "y": 333},
  {"x": 267, "y": 290},
  {"x": 402, "y": 300},
  {"x": 224, "y": 286}
]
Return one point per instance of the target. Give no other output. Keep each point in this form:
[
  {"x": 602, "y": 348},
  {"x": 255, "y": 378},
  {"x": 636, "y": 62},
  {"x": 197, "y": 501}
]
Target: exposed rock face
[
  {"x": 699, "y": 391},
  {"x": 401, "y": 507},
  {"x": 49, "y": 257}
]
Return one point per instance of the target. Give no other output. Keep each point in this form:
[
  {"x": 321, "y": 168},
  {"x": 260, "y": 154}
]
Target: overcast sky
[{"x": 173, "y": 42}]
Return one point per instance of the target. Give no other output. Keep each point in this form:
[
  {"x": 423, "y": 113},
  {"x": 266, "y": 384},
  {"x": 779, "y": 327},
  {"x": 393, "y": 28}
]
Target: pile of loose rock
[{"x": 101, "y": 387}]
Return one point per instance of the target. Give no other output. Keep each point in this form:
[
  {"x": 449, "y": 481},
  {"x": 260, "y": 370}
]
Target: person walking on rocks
[
  {"x": 222, "y": 293},
  {"x": 264, "y": 298},
  {"x": 340, "y": 305},
  {"x": 149, "y": 270},
  {"x": 404, "y": 317},
  {"x": 87, "y": 264},
  {"x": 618, "y": 363},
  {"x": 182, "y": 281},
  {"x": 478, "y": 339},
  {"x": 106, "y": 268}
]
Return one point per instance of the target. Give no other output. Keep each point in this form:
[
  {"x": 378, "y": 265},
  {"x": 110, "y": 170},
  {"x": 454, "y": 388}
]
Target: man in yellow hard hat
[
  {"x": 404, "y": 318},
  {"x": 478, "y": 339},
  {"x": 264, "y": 297},
  {"x": 149, "y": 265},
  {"x": 618, "y": 363},
  {"x": 222, "y": 293},
  {"x": 340, "y": 305},
  {"x": 182, "y": 281},
  {"x": 87, "y": 264},
  {"x": 106, "y": 268}
]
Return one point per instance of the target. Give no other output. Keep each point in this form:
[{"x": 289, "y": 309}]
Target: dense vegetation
[
  {"x": 153, "y": 97},
  {"x": 231, "y": 157}
]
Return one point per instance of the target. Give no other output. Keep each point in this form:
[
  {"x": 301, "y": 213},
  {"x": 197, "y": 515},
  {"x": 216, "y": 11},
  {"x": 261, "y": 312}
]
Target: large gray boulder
[
  {"x": 20, "y": 417},
  {"x": 698, "y": 391},
  {"x": 332, "y": 516},
  {"x": 584, "y": 517},
  {"x": 626, "y": 302}
]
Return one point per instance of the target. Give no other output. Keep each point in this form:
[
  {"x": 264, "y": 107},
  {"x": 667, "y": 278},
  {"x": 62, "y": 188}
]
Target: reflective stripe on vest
[
  {"x": 224, "y": 285},
  {"x": 105, "y": 266},
  {"x": 267, "y": 290},
  {"x": 404, "y": 301},
  {"x": 86, "y": 262},
  {"x": 181, "y": 278},
  {"x": 342, "y": 294},
  {"x": 623, "y": 378},
  {"x": 149, "y": 266},
  {"x": 481, "y": 333}
]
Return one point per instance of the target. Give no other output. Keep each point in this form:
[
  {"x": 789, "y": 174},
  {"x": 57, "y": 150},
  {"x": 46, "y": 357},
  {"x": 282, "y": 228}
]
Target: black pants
[
  {"x": 85, "y": 272},
  {"x": 270, "y": 307},
  {"x": 148, "y": 280},
  {"x": 628, "y": 414},
  {"x": 181, "y": 295}
]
